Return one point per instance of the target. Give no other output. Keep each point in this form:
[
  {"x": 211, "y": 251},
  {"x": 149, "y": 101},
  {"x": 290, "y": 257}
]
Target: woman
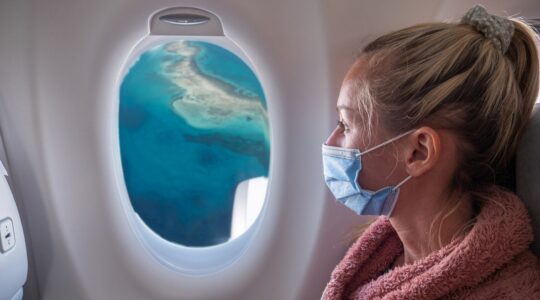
[{"x": 427, "y": 116}]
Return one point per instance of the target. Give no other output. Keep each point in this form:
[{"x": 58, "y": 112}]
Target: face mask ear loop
[
  {"x": 388, "y": 142},
  {"x": 396, "y": 189},
  {"x": 402, "y": 182}
]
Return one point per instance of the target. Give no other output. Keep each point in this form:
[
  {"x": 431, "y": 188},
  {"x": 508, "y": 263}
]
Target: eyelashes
[{"x": 342, "y": 125}]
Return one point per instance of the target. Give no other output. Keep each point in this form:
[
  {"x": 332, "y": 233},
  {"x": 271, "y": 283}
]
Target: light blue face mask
[{"x": 342, "y": 167}]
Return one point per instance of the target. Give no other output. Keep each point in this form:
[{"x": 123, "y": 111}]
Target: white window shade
[{"x": 248, "y": 202}]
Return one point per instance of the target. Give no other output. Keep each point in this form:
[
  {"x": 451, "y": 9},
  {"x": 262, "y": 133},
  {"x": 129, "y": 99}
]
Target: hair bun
[{"x": 497, "y": 29}]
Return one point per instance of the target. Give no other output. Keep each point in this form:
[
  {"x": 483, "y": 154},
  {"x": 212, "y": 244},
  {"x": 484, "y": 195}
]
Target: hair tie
[{"x": 498, "y": 29}]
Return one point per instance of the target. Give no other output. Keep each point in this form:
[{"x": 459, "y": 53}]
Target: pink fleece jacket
[{"x": 491, "y": 262}]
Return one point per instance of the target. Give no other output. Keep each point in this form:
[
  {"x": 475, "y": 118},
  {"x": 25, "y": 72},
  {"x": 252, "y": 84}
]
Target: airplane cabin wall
[{"x": 60, "y": 62}]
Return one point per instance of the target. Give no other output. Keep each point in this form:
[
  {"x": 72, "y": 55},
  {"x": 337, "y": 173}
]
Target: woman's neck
[{"x": 413, "y": 225}]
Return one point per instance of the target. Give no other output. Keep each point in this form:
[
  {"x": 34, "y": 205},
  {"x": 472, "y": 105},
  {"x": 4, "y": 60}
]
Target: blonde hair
[{"x": 449, "y": 75}]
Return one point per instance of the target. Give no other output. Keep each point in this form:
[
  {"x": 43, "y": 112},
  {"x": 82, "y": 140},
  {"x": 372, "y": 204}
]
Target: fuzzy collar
[{"x": 501, "y": 232}]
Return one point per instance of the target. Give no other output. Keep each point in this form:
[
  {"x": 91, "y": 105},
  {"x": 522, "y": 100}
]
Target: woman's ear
[{"x": 423, "y": 151}]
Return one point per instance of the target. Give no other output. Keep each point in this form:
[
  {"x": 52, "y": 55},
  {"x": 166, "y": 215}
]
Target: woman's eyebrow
[
  {"x": 347, "y": 112},
  {"x": 344, "y": 108}
]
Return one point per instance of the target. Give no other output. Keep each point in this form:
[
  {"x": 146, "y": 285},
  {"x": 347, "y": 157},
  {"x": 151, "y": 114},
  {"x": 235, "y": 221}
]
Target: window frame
[{"x": 185, "y": 259}]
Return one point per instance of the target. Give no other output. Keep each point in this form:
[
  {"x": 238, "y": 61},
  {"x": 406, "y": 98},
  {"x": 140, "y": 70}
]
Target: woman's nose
[{"x": 333, "y": 140}]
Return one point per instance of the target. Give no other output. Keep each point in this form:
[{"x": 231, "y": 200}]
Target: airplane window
[{"x": 194, "y": 142}]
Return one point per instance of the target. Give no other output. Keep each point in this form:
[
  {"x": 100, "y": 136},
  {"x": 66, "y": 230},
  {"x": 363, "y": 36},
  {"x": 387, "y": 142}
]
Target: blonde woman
[{"x": 427, "y": 116}]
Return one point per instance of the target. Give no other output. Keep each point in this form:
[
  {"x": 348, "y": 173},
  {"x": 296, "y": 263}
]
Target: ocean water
[
  {"x": 181, "y": 179},
  {"x": 224, "y": 65}
]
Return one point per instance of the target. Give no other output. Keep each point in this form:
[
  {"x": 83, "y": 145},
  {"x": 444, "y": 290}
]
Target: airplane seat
[{"x": 528, "y": 174}]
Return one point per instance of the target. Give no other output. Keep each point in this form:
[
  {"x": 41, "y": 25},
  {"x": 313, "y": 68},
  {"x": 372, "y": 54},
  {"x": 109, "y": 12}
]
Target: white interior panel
[
  {"x": 60, "y": 65},
  {"x": 13, "y": 256}
]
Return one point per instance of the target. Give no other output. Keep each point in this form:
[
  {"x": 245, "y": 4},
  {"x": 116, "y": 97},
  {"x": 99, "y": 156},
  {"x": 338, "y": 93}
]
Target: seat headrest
[{"x": 528, "y": 174}]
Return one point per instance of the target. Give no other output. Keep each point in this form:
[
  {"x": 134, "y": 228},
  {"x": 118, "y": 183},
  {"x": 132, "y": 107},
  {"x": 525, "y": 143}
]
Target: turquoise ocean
[{"x": 181, "y": 180}]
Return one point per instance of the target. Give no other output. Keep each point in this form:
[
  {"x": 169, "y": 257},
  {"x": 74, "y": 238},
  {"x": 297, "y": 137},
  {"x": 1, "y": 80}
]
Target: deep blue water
[
  {"x": 181, "y": 180},
  {"x": 221, "y": 63}
]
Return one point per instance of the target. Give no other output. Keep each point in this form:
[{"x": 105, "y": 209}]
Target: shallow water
[{"x": 181, "y": 179}]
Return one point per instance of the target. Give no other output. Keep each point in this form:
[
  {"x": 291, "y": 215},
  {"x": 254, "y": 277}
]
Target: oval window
[{"x": 194, "y": 142}]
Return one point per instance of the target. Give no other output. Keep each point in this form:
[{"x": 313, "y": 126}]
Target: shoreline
[
  {"x": 218, "y": 82},
  {"x": 207, "y": 101}
]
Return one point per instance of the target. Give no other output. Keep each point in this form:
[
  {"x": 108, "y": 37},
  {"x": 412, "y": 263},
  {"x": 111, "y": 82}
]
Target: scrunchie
[{"x": 498, "y": 29}]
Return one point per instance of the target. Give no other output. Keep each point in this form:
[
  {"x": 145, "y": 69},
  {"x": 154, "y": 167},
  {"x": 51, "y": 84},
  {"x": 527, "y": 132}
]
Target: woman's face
[
  {"x": 428, "y": 155},
  {"x": 381, "y": 167}
]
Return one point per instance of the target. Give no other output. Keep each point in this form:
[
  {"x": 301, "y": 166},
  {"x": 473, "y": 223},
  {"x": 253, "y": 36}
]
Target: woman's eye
[{"x": 342, "y": 125}]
